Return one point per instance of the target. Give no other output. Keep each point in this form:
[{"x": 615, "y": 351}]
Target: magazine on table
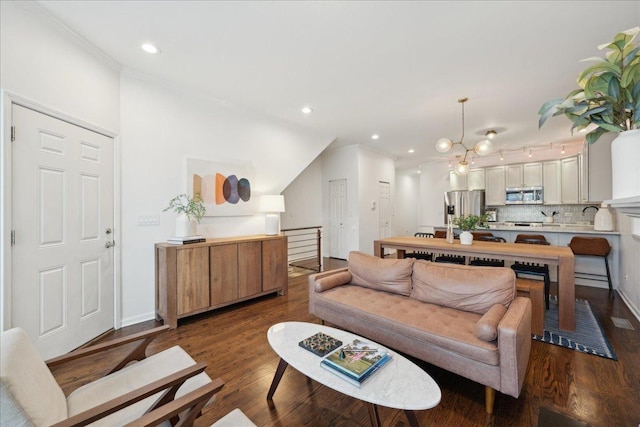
[{"x": 357, "y": 361}]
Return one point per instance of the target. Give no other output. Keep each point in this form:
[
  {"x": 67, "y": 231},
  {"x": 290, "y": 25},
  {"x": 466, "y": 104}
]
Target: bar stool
[
  {"x": 532, "y": 268},
  {"x": 487, "y": 262},
  {"x": 421, "y": 255},
  {"x": 449, "y": 259},
  {"x": 592, "y": 246}
]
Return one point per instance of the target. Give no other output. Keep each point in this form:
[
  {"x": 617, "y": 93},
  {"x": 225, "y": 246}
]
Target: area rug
[{"x": 588, "y": 336}]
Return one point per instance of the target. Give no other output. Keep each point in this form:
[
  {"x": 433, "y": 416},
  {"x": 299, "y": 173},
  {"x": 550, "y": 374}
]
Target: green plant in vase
[
  {"x": 190, "y": 210},
  {"x": 468, "y": 223}
]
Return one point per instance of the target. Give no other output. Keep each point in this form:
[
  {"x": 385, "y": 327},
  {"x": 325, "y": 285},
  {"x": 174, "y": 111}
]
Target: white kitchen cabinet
[
  {"x": 532, "y": 174},
  {"x": 457, "y": 182},
  {"x": 551, "y": 182},
  {"x": 476, "y": 179},
  {"x": 570, "y": 180},
  {"x": 597, "y": 170},
  {"x": 495, "y": 186},
  {"x": 513, "y": 176}
]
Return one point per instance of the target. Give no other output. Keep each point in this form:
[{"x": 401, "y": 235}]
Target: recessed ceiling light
[
  {"x": 412, "y": 150},
  {"x": 307, "y": 110},
  {"x": 375, "y": 136},
  {"x": 150, "y": 48}
]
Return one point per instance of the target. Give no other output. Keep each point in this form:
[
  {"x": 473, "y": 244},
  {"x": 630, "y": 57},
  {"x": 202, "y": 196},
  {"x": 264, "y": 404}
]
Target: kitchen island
[{"x": 558, "y": 234}]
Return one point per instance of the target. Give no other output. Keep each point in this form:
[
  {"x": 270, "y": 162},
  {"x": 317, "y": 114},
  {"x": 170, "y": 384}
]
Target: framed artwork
[{"x": 225, "y": 188}]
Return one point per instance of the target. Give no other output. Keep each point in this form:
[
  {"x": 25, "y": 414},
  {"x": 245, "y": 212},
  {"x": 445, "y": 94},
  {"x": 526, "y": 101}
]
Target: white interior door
[
  {"x": 338, "y": 218},
  {"x": 62, "y": 286},
  {"x": 384, "y": 212}
]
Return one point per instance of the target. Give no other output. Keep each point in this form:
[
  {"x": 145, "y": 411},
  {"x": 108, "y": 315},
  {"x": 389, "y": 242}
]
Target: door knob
[
  {"x": 109, "y": 244},
  {"x": 108, "y": 231}
]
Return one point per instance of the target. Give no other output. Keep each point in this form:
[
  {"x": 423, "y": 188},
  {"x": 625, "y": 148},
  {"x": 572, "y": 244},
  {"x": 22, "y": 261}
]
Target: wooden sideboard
[{"x": 199, "y": 277}]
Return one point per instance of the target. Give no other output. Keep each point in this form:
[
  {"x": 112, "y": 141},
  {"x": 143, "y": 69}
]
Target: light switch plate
[{"x": 148, "y": 220}]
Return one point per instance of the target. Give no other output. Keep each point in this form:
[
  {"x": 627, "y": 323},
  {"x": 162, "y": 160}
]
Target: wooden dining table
[{"x": 559, "y": 256}]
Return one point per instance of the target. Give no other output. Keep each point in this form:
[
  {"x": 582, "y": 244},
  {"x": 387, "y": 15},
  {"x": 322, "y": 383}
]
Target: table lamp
[{"x": 273, "y": 205}]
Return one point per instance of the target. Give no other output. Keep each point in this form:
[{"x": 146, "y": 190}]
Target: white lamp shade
[
  {"x": 483, "y": 147},
  {"x": 272, "y": 203},
  {"x": 443, "y": 145}
]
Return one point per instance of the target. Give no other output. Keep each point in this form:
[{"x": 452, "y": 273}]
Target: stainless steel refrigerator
[{"x": 463, "y": 203}]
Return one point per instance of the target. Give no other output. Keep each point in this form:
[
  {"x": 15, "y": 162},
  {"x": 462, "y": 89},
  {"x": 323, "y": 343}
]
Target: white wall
[
  {"x": 161, "y": 127},
  {"x": 45, "y": 63},
  {"x": 341, "y": 163},
  {"x": 42, "y": 62},
  {"x": 434, "y": 181},
  {"x": 373, "y": 168},
  {"x": 407, "y": 202},
  {"x": 303, "y": 198}
]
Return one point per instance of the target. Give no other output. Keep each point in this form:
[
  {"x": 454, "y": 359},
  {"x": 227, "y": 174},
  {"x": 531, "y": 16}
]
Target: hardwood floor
[{"x": 233, "y": 343}]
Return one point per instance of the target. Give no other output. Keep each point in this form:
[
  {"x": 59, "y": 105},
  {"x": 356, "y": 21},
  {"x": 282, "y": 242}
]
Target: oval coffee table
[{"x": 400, "y": 384}]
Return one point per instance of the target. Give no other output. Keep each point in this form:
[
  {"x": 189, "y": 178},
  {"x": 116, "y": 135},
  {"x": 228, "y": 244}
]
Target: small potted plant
[
  {"x": 468, "y": 223},
  {"x": 608, "y": 100},
  {"x": 190, "y": 210}
]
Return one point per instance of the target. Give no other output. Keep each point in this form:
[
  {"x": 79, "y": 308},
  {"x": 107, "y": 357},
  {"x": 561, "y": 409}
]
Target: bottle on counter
[
  {"x": 449, "y": 230},
  {"x": 603, "y": 221}
]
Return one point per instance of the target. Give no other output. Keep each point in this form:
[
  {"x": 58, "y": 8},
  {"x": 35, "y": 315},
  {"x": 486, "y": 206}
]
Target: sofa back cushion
[
  {"x": 390, "y": 275},
  {"x": 474, "y": 289}
]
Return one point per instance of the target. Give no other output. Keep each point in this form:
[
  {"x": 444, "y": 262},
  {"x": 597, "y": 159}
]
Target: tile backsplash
[{"x": 567, "y": 214}]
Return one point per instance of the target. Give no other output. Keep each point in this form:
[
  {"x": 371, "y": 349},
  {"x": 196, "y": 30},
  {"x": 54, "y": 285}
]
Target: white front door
[
  {"x": 384, "y": 201},
  {"x": 338, "y": 218},
  {"x": 62, "y": 285}
]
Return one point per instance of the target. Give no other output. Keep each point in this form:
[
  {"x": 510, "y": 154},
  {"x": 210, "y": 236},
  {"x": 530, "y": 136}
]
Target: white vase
[
  {"x": 625, "y": 158},
  {"x": 466, "y": 238},
  {"x": 185, "y": 227}
]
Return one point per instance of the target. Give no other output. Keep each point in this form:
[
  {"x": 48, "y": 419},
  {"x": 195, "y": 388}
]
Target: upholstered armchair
[{"x": 136, "y": 385}]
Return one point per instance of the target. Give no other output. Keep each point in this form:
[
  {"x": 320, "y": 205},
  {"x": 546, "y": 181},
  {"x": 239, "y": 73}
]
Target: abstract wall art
[{"x": 225, "y": 188}]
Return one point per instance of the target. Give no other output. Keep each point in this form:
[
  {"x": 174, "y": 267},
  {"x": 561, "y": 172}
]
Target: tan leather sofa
[{"x": 464, "y": 319}]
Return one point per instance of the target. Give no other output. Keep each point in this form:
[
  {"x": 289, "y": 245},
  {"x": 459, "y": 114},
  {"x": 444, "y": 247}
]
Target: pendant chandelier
[{"x": 481, "y": 148}]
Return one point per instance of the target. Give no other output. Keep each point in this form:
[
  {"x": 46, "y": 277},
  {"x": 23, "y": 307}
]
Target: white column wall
[{"x": 407, "y": 202}]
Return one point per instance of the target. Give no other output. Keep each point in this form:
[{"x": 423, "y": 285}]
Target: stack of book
[
  {"x": 186, "y": 240},
  {"x": 356, "y": 362}
]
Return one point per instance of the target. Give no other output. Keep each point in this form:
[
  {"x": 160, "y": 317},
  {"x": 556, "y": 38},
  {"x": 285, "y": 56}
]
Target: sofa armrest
[
  {"x": 326, "y": 280},
  {"x": 514, "y": 345}
]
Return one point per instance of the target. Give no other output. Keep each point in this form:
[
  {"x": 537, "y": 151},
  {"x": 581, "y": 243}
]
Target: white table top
[{"x": 400, "y": 384}]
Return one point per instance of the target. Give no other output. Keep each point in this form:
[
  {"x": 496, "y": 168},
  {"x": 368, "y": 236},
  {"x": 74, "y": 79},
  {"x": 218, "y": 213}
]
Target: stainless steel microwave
[{"x": 524, "y": 196}]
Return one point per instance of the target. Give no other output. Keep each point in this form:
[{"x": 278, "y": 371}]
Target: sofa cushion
[
  {"x": 487, "y": 326},
  {"x": 332, "y": 281},
  {"x": 474, "y": 289},
  {"x": 447, "y": 328},
  {"x": 30, "y": 380},
  {"x": 390, "y": 275}
]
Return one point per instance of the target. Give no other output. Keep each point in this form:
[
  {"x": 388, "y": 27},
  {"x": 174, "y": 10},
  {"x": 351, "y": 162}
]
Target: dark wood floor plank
[{"x": 233, "y": 343}]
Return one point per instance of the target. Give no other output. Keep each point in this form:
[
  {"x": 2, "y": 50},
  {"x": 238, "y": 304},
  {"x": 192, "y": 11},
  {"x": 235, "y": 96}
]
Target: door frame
[{"x": 6, "y": 188}]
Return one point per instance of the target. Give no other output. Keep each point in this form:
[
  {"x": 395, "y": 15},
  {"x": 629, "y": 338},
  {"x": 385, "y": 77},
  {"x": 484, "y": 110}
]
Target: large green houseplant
[
  {"x": 608, "y": 99},
  {"x": 609, "y": 91}
]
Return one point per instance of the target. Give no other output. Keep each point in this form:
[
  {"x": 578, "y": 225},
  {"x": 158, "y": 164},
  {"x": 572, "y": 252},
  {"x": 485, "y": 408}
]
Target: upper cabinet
[
  {"x": 457, "y": 182},
  {"x": 475, "y": 180},
  {"x": 570, "y": 180},
  {"x": 513, "y": 176},
  {"x": 551, "y": 184},
  {"x": 596, "y": 184},
  {"x": 523, "y": 175},
  {"x": 495, "y": 186},
  {"x": 532, "y": 175}
]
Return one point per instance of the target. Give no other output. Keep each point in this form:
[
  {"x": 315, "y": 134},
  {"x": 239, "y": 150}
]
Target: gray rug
[{"x": 588, "y": 336}]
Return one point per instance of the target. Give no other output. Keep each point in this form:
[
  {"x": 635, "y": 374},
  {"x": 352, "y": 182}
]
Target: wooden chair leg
[{"x": 490, "y": 399}]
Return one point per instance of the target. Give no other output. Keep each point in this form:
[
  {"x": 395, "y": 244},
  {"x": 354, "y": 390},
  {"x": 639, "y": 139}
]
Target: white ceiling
[{"x": 387, "y": 67}]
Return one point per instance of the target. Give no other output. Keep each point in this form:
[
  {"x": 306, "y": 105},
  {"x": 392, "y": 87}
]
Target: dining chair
[
  {"x": 449, "y": 259},
  {"x": 421, "y": 254},
  {"x": 487, "y": 262},
  {"x": 534, "y": 269}
]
